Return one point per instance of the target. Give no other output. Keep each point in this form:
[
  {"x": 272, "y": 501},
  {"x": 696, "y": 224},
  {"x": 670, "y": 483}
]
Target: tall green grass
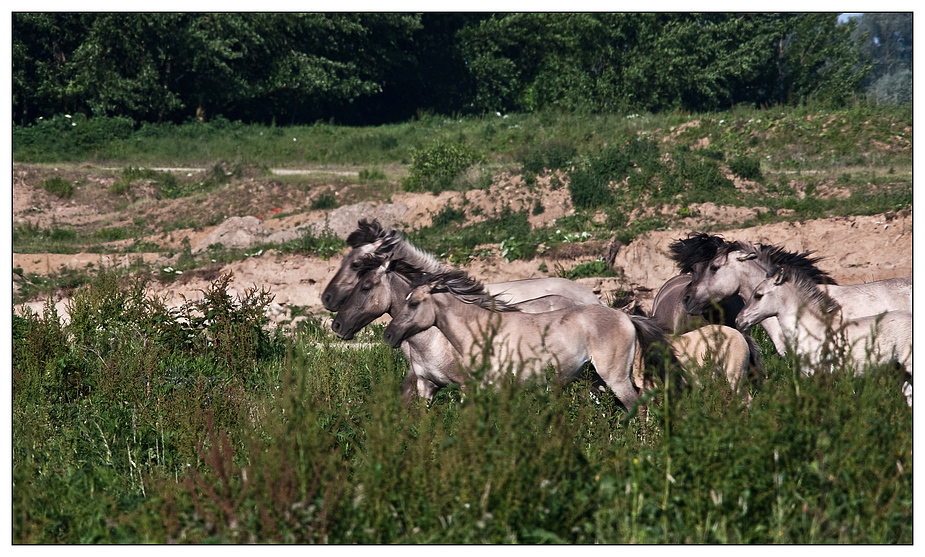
[{"x": 135, "y": 424}]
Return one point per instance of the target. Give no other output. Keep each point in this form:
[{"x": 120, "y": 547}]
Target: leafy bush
[
  {"x": 435, "y": 168},
  {"x": 588, "y": 190},
  {"x": 745, "y": 167},
  {"x": 112, "y": 234},
  {"x": 552, "y": 155},
  {"x": 324, "y": 202},
  {"x": 458, "y": 243},
  {"x": 447, "y": 216},
  {"x": 636, "y": 160},
  {"x": 372, "y": 174},
  {"x": 703, "y": 175},
  {"x": 325, "y": 245},
  {"x": 58, "y": 186},
  {"x": 596, "y": 268}
]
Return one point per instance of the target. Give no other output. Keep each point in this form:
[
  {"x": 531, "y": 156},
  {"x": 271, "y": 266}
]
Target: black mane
[
  {"x": 697, "y": 248},
  {"x": 807, "y": 285},
  {"x": 375, "y": 260},
  {"x": 801, "y": 262},
  {"x": 769, "y": 256},
  {"x": 370, "y": 233},
  {"x": 465, "y": 289}
]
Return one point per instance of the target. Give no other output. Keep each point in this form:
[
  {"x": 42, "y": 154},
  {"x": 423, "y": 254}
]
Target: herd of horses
[{"x": 447, "y": 322}]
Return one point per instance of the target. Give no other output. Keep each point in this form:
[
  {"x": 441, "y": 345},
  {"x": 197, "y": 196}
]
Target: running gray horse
[
  {"x": 383, "y": 286},
  {"x": 813, "y": 324},
  {"x": 479, "y": 326},
  {"x": 738, "y": 267},
  {"x": 370, "y": 242},
  {"x": 691, "y": 255}
]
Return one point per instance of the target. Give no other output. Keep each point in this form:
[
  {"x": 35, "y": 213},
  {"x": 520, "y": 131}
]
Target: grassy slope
[{"x": 793, "y": 157}]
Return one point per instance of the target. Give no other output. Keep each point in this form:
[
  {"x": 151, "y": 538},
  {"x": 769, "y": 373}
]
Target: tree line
[{"x": 372, "y": 68}]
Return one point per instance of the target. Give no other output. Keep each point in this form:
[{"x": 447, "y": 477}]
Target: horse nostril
[
  {"x": 686, "y": 299},
  {"x": 387, "y": 337},
  {"x": 336, "y": 326},
  {"x": 326, "y": 298}
]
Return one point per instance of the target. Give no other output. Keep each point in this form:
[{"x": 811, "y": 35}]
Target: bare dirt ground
[{"x": 261, "y": 209}]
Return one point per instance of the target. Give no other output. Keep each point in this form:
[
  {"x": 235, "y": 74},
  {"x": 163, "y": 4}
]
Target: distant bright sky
[{"x": 846, "y": 16}]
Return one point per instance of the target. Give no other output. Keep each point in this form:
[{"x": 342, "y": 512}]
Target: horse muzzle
[
  {"x": 329, "y": 303},
  {"x": 391, "y": 337},
  {"x": 743, "y": 325},
  {"x": 341, "y": 331},
  {"x": 690, "y": 305}
]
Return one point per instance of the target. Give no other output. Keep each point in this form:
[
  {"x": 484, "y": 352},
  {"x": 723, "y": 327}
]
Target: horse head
[
  {"x": 370, "y": 298},
  {"x": 368, "y": 239}
]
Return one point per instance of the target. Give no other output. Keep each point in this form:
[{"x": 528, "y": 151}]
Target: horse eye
[
  {"x": 413, "y": 304},
  {"x": 714, "y": 268},
  {"x": 758, "y": 295},
  {"x": 355, "y": 265}
]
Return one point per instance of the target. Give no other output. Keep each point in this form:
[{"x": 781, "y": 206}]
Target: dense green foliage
[
  {"x": 370, "y": 68},
  {"x": 135, "y": 424},
  {"x": 434, "y": 168}
]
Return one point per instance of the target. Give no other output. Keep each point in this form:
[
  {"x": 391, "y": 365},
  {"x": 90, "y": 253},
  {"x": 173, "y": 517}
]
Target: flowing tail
[
  {"x": 656, "y": 351},
  {"x": 756, "y": 372}
]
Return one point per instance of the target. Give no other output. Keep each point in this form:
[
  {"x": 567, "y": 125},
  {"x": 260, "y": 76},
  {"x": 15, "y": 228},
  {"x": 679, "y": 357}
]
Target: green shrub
[
  {"x": 372, "y": 174},
  {"x": 324, "y": 202},
  {"x": 588, "y": 190},
  {"x": 635, "y": 160},
  {"x": 556, "y": 154},
  {"x": 745, "y": 167},
  {"x": 596, "y": 268},
  {"x": 119, "y": 187},
  {"x": 40, "y": 355},
  {"x": 702, "y": 175},
  {"x": 112, "y": 234},
  {"x": 447, "y": 216},
  {"x": 435, "y": 168},
  {"x": 325, "y": 245},
  {"x": 58, "y": 186}
]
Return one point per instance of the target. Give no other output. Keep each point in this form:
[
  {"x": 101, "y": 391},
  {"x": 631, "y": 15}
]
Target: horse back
[
  {"x": 527, "y": 289},
  {"x": 871, "y": 298}
]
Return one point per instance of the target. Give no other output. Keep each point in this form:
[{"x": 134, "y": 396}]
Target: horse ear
[
  {"x": 435, "y": 285},
  {"x": 779, "y": 276},
  {"x": 747, "y": 256},
  {"x": 387, "y": 263}
]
